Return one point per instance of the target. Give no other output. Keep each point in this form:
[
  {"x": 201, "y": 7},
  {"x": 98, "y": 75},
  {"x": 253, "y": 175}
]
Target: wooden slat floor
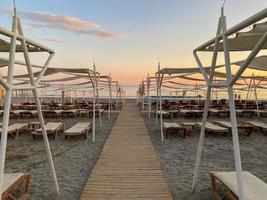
[{"x": 128, "y": 167}]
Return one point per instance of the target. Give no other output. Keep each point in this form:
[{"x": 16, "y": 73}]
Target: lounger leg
[
  {"x": 166, "y": 133},
  {"x": 27, "y": 183},
  {"x": 185, "y": 133},
  {"x": 214, "y": 187},
  {"x": 249, "y": 131}
]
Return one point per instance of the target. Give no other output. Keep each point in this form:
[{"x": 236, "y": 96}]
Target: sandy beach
[
  {"x": 177, "y": 156},
  {"x": 73, "y": 158}
]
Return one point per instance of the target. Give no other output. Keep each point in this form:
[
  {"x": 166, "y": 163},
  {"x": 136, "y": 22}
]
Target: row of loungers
[
  {"x": 219, "y": 127},
  {"x": 45, "y": 106},
  {"x": 52, "y": 128},
  {"x": 54, "y": 113},
  {"x": 14, "y": 182},
  {"x": 255, "y": 189},
  {"x": 211, "y": 112}
]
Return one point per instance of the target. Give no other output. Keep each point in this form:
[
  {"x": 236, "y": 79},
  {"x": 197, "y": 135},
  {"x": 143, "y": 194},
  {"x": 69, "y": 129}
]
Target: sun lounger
[
  {"x": 13, "y": 181},
  {"x": 263, "y": 113},
  {"x": 190, "y": 113},
  {"x": 97, "y": 111},
  {"x": 260, "y": 125},
  {"x": 254, "y": 188},
  {"x": 218, "y": 113},
  {"x": 83, "y": 112},
  {"x": 173, "y": 127},
  {"x": 212, "y": 128},
  {"x": 28, "y": 113},
  {"x": 173, "y": 113},
  {"x": 245, "y": 113},
  {"x": 16, "y": 113},
  {"x": 70, "y": 113},
  {"x": 164, "y": 113},
  {"x": 244, "y": 127},
  {"x": 81, "y": 128},
  {"x": 15, "y": 128},
  {"x": 52, "y": 113},
  {"x": 52, "y": 128}
]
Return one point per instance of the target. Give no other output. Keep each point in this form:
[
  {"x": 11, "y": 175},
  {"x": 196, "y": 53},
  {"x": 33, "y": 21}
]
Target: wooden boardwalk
[{"x": 128, "y": 167}]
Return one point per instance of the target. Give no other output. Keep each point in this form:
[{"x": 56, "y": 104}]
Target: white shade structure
[
  {"x": 252, "y": 41},
  {"x": 25, "y": 46}
]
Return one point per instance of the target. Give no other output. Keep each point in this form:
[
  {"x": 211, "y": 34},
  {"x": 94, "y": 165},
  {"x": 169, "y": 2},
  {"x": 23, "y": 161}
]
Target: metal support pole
[
  {"x": 247, "y": 96},
  {"x": 7, "y": 101},
  {"x": 161, "y": 120},
  {"x": 239, "y": 176},
  {"x": 94, "y": 100},
  {"x": 97, "y": 98},
  {"x": 117, "y": 95},
  {"x": 256, "y": 96},
  {"x": 209, "y": 82},
  {"x": 201, "y": 139},
  {"x": 39, "y": 108},
  {"x": 110, "y": 96},
  {"x": 41, "y": 74},
  {"x": 148, "y": 96},
  {"x": 157, "y": 105}
]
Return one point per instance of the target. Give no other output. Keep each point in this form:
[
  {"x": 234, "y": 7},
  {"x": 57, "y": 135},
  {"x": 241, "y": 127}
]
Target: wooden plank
[{"x": 128, "y": 167}]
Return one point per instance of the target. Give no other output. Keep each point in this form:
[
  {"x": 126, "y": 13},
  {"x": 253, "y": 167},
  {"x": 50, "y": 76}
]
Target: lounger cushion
[
  {"x": 78, "y": 128},
  {"x": 255, "y": 189},
  {"x": 172, "y": 125},
  {"x": 50, "y": 127},
  {"x": 258, "y": 124},
  {"x": 11, "y": 178},
  {"x": 15, "y": 127},
  {"x": 225, "y": 124},
  {"x": 162, "y": 112},
  {"x": 213, "y": 128}
]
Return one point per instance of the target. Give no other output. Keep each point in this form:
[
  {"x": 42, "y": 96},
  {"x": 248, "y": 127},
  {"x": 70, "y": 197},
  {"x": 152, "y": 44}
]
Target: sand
[
  {"x": 74, "y": 158},
  {"x": 177, "y": 156}
]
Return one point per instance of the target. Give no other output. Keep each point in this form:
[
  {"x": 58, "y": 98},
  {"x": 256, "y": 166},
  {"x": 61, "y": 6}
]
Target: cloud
[
  {"x": 54, "y": 40},
  {"x": 64, "y": 23}
]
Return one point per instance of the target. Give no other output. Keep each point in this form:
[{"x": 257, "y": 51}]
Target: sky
[{"x": 125, "y": 37}]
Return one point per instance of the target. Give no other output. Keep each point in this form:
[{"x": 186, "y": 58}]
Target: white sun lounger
[
  {"x": 247, "y": 128},
  {"x": 28, "y": 113},
  {"x": 71, "y": 112},
  {"x": 11, "y": 182},
  {"x": 52, "y": 128},
  {"x": 17, "y": 112},
  {"x": 15, "y": 128},
  {"x": 163, "y": 112},
  {"x": 212, "y": 128},
  {"x": 168, "y": 127},
  {"x": 260, "y": 125},
  {"x": 255, "y": 189},
  {"x": 80, "y": 128}
]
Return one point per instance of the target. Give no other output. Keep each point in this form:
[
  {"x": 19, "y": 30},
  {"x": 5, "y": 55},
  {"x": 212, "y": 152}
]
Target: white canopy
[{"x": 244, "y": 41}]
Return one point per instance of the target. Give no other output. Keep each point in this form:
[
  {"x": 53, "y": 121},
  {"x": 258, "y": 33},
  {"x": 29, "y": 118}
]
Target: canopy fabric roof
[
  {"x": 259, "y": 63},
  {"x": 170, "y": 71},
  {"x": 5, "y": 47},
  {"x": 243, "y": 41}
]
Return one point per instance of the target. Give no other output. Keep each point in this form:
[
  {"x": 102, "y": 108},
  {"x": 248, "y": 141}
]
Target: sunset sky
[{"x": 125, "y": 37}]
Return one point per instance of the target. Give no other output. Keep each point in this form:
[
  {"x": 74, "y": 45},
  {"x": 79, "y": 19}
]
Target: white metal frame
[
  {"x": 222, "y": 34},
  {"x": 159, "y": 101},
  {"x": 17, "y": 35}
]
